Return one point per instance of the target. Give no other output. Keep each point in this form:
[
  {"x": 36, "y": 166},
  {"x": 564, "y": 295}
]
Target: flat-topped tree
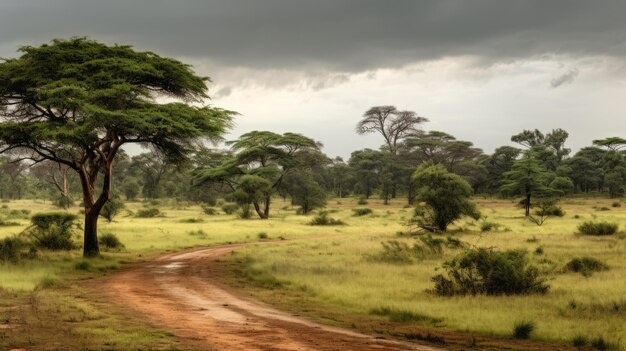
[
  {"x": 77, "y": 101},
  {"x": 612, "y": 143},
  {"x": 260, "y": 161}
]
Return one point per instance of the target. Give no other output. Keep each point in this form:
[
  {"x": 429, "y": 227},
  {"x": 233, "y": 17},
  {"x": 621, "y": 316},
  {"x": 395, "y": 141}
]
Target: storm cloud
[
  {"x": 336, "y": 35},
  {"x": 481, "y": 70}
]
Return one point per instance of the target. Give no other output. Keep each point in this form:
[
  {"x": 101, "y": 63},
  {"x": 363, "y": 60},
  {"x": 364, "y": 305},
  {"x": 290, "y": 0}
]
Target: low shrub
[
  {"x": 395, "y": 252},
  {"x": 523, "y": 329},
  {"x": 486, "y": 226},
  {"x": 83, "y": 266},
  {"x": 598, "y": 228},
  {"x": 148, "y": 213},
  {"x": 52, "y": 231},
  {"x": 209, "y": 211},
  {"x": 616, "y": 204},
  {"x": 585, "y": 266},
  {"x": 361, "y": 201},
  {"x": 199, "y": 233},
  {"x": 359, "y": 212},
  {"x": 323, "y": 218},
  {"x": 489, "y": 272},
  {"x": 229, "y": 208},
  {"x": 245, "y": 211},
  {"x": 600, "y": 344},
  {"x": 262, "y": 235},
  {"x": 192, "y": 220},
  {"x": 110, "y": 241},
  {"x": 13, "y": 249},
  {"x": 64, "y": 202},
  {"x": 579, "y": 341}
]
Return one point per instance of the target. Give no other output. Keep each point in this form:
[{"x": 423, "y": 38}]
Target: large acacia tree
[{"x": 76, "y": 102}]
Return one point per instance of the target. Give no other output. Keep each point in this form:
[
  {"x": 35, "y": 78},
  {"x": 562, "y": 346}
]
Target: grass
[{"x": 334, "y": 272}]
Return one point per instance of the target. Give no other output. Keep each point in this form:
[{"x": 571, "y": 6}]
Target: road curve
[{"x": 181, "y": 293}]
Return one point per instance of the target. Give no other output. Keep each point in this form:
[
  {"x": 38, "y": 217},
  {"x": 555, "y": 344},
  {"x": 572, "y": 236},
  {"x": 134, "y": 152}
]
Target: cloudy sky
[{"x": 481, "y": 70}]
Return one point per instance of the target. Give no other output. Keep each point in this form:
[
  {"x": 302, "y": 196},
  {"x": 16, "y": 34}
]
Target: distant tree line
[{"x": 263, "y": 164}]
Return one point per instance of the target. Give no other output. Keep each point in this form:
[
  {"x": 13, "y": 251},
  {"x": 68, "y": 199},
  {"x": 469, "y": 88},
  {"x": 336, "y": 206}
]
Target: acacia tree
[
  {"x": 527, "y": 178},
  {"x": 77, "y": 101},
  {"x": 392, "y": 124},
  {"x": 260, "y": 161}
]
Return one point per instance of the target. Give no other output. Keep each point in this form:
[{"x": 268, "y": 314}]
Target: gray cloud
[
  {"x": 334, "y": 35},
  {"x": 565, "y": 78}
]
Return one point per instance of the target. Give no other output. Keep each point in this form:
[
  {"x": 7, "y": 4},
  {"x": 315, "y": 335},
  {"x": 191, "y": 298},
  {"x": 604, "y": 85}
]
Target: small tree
[
  {"x": 528, "y": 178},
  {"x": 76, "y": 102},
  {"x": 444, "y": 197},
  {"x": 112, "y": 208},
  {"x": 306, "y": 192}
]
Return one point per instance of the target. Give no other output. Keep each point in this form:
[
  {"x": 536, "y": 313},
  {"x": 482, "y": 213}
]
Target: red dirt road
[{"x": 181, "y": 292}]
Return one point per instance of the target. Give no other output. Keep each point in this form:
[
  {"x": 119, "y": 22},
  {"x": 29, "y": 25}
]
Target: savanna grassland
[{"x": 49, "y": 299}]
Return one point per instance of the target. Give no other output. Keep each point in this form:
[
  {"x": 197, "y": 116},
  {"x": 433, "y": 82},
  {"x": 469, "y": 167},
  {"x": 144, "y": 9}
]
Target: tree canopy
[{"x": 77, "y": 101}]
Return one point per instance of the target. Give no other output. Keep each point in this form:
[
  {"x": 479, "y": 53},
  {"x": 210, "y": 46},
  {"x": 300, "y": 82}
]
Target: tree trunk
[
  {"x": 527, "y": 205},
  {"x": 90, "y": 246}
]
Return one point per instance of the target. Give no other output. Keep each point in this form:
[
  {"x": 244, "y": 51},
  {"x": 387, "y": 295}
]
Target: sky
[{"x": 481, "y": 70}]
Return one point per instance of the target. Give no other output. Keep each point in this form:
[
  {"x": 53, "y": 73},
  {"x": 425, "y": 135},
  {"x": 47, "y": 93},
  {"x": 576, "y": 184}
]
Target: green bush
[
  {"x": 148, "y": 213},
  {"x": 209, "y": 211},
  {"x": 110, "y": 241},
  {"x": 359, "y": 212},
  {"x": 585, "y": 266},
  {"x": 245, "y": 212},
  {"x": 485, "y": 271},
  {"x": 362, "y": 201},
  {"x": 64, "y": 202},
  {"x": 49, "y": 219},
  {"x": 111, "y": 209},
  {"x": 322, "y": 218},
  {"x": 523, "y": 329},
  {"x": 262, "y": 235},
  {"x": 616, "y": 204},
  {"x": 52, "y": 231},
  {"x": 395, "y": 252},
  {"x": 13, "y": 249},
  {"x": 229, "y": 208},
  {"x": 598, "y": 228}
]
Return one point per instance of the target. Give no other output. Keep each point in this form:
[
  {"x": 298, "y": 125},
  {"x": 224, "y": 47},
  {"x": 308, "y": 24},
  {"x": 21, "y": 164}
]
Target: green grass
[{"x": 334, "y": 270}]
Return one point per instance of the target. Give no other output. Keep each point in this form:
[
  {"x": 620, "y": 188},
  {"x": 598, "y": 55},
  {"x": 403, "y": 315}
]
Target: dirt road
[{"x": 181, "y": 292}]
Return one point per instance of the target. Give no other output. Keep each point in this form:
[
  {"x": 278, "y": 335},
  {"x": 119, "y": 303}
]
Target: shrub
[
  {"x": 110, "y": 241},
  {"x": 13, "y": 249},
  {"x": 523, "y": 329},
  {"x": 192, "y": 220},
  {"x": 52, "y": 230},
  {"x": 112, "y": 208},
  {"x": 322, "y": 218},
  {"x": 616, "y": 204},
  {"x": 229, "y": 208},
  {"x": 359, "y": 212},
  {"x": 199, "y": 233},
  {"x": 598, "y": 228},
  {"x": 361, "y": 201},
  {"x": 64, "y": 202},
  {"x": 209, "y": 211},
  {"x": 245, "y": 212},
  {"x": 443, "y": 198},
  {"x": 395, "y": 252},
  {"x": 600, "y": 344},
  {"x": 262, "y": 235},
  {"x": 486, "y": 226},
  {"x": 148, "y": 213},
  {"x": 82, "y": 266},
  {"x": 49, "y": 219},
  {"x": 485, "y": 271},
  {"x": 585, "y": 266}
]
